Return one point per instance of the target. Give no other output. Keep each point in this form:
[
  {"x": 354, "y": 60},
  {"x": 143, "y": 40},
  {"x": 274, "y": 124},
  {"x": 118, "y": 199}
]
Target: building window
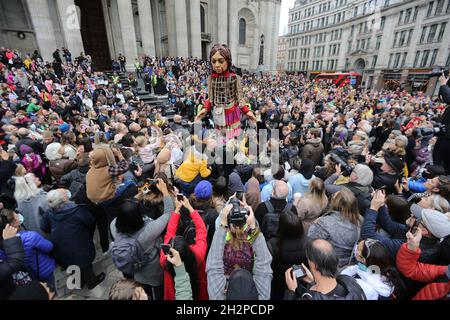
[
  {"x": 386, "y": 3},
  {"x": 355, "y": 12},
  {"x": 402, "y": 38},
  {"x": 202, "y": 19},
  {"x": 416, "y": 11},
  {"x": 408, "y": 15},
  {"x": 395, "y": 40},
  {"x": 433, "y": 57},
  {"x": 448, "y": 8},
  {"x": 400, "y": 17},
  {"x": 425, "y": 56},
  {"x": 409, "y": 36},
  {"x": 439, "y": 7},
  {"x": 430, "y": 8},
  {"x": 378, "y": 44},
  {"x": 447, "y": 63},
  {"x": 432, "y": 33},
  {"x": 374, "y": 61},
  {"x": 390, "y": 60},
  {"x": 416, "y": 59},
  {"x": 242, "y": 31},
  {"x": 397, "y": 60},
  {"x": 383, "y": 20},
  {"x": 404, "y": 59},
  {"x": 441, "y": 32},
  {"x": 424, "y": 31}
]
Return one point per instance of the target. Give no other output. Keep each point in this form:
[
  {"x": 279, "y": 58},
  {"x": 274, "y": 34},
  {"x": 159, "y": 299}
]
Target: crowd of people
[{"x": 356, "y": 206}]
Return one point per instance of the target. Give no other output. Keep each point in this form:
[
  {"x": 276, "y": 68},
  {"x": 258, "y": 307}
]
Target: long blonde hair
[
  {"x": 345, "y": 202},
  {"x": 317, "y": 192}
]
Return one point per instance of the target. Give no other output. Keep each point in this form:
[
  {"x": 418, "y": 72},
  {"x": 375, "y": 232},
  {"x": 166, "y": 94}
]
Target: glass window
[
  {"x": 432, "y": 33},
  {"x": 395, "y": 40},
  {"x": 402, "y": 38},
  {"x": 416, "y": 59},
  {"x": 408, "y": 15},
  {"x": 390, "y": 60},
  {"x": 374, "y": 61},
  {"x": 439, "y": 7},
  {"x": 441, "y": 32},
  {"x": 400, "y": 17},
  {"x": 430, "y": 8},
  {"x": 425, "y": 56},
  {"x": 447, "y": 63},
  {"x": 448, "y": 8},
  {"x": 404, "y": 59},
  {"x": 424, "y": 31},
  {"x": 242, "y": 31},
  {"x": 409, "y": 36},
  {"x": 433, "y": 57},
  {"x": 202, "y": 19},
  {"x": 397, "y": 60},
  {"x": 378, "y": 44},
  {"x": 383, "y": 20},
  {"x": 416, "y": 11},
  {"x": 355, "y": 12}
]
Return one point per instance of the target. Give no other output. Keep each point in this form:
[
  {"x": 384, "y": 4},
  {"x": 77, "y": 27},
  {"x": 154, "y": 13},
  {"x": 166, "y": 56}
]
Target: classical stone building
[
  {"x": 392, "y": 42},
  {"x": 281, "y": 54},
  {"x": 105, "y": 28}
]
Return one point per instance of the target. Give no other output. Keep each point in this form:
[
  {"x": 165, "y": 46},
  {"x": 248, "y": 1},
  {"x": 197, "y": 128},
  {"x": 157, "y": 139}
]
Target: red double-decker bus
[{"x": 340, "y": 79}]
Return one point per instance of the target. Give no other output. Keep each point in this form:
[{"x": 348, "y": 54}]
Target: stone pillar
[
  {"x": 171, "y": 30},
  {"x": 196, "y": 32},
  {"x": 146, "y": 23},
  {"x": 128, "y": 32},
  {"x": 70, "y": 23},
  {"x": 233, "y": 25},
  {"x": 43, "y": 28},
  {"x": 181, "y": 28},
  {"x": 275, "y": 33},
  {"x": 222, "y": 24}
]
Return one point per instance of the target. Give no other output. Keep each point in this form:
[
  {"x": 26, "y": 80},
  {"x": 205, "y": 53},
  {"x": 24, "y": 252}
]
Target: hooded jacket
[
  {"x": 299, "y": 184},
  {"x": 71, "y": 229},
  {"x": 100, "y": 186},
  {"x": 33, "y": 210},
  {"x": 313, "y": 150}
]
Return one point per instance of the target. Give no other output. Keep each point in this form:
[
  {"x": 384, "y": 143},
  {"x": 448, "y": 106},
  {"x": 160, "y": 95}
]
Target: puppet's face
[{"x": 219, "y": 63}]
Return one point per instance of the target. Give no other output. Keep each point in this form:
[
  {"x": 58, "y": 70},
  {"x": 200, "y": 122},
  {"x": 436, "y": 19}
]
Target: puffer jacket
[
  {"x": 408, "y": 265},
  {"x": 313, "y": 150},
  {"x": 353, "y": 291},
  {"x": 37, "y": 251}
]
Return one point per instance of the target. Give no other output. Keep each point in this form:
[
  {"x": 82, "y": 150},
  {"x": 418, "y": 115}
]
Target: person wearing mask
[
  {"x": 144, "y": 233},
  {"x": 360, "y": 182},
  {"x": 37, "y": 250},
  {"x": 340, "y": 226},
  {"x": 287, "y": 248},
  {"x": 71, "y": 229},
  {"x": 323, "y": 281},
  {"x": 13, "y": 248},
  {"x": 192, "y": 255},
  {"x": 31, "y": 201},
  {"x": 238, "y": 243},
  {"x": 375, "y": 272}
]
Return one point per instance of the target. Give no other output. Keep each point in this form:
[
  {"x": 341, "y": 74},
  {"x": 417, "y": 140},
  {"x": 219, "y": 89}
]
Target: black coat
[
  {"x": 293, "y": 252},
  {"x": 71, "y": 230},
  {"x": 16, "y": 259}
]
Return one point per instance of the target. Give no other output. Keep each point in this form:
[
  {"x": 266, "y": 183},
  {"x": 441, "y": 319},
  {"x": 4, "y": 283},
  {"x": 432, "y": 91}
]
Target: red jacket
[
  {"x": 199, "y": 249},
  {"x": 408, "y": 265}
]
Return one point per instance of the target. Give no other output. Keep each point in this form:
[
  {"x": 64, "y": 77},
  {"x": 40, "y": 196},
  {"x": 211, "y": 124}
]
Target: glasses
[{"x": 369, "y": 243}]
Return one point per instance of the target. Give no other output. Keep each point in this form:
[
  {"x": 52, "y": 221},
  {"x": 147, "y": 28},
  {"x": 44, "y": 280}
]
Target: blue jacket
[
  {"x": 71, "y": 230},
  {"x": 299, "y": 184},
  {"x": 396, "y": 230},
  {"x": 416, "y": 186},
  {"x": 36, "y": 250}
]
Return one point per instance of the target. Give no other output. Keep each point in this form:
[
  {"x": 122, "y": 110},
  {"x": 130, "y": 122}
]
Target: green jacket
[
  {"x": 33, "y": 108},
  {"x": 183, "y": 290}
]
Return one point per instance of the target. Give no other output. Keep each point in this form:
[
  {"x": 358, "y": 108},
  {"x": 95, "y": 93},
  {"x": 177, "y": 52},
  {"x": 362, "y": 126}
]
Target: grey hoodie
[{"x": 32, "y": 210}]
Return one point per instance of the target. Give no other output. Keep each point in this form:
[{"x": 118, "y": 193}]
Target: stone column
[
  {"x": 70, "y": 23},
  {"x": 196, "y": 37},
  {"x": 222, "y": 22},
  {"x": 146, "y": 23},
  {"x": 171, "y": 30},
  {"x": 128, "y": 32},
  {"x": 233, "y": 24},
  {"x": 43, "y": 28},
  {"x": 181, "y": 28},
  {"x": 275, "y": 34}
]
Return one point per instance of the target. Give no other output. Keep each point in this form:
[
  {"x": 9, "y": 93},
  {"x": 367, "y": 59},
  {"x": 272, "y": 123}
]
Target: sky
[{"x": 285, "y": 6}]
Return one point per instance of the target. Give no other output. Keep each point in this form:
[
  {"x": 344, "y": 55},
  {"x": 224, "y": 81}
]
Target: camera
[
  {"x": 346, "y": 168},
  {"x": 298, "y": 271},
  {"x": 439, "y": 129},
  {"x": 237, "y": 215},
  {"x": 438, "y": 74}
]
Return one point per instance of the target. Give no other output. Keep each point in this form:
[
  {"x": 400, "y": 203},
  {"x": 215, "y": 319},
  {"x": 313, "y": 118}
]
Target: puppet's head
[{"x": 220, "y": 58}]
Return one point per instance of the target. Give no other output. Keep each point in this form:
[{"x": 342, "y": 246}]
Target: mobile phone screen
[
  {"x": 299, "y": 272},
  {"x": 180, "y": 197}
]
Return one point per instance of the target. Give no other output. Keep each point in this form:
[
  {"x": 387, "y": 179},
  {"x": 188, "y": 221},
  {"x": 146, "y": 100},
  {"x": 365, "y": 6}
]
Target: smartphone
[
  {"x": 152, "y": 182},
  {"x": 180, "y": 197},
  {"x": 166, "y": 248},
  {"x": 299, "y": 271},
  {"x": 414, "y": 227}
]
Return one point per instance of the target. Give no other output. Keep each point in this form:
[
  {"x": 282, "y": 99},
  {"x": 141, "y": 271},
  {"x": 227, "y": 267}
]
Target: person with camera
[
  {"x": 238, "y": 243},
  {"x": 436, "y": 277},
  {"x": 192, "y": 255},
  {"x": 323, "y": 281},
  {"x": 360, "y": 181},
  {"x": 135, "y": 251},
  {"x": 441, "y": 156},
  {"x": 386, "y": 175}
]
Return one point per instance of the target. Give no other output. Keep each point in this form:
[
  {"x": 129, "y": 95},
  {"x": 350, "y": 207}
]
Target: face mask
[
  {"x": 362, "y": 267},
  {"x": 69, "y": 195},
  {"x": 21, "y": 219}
]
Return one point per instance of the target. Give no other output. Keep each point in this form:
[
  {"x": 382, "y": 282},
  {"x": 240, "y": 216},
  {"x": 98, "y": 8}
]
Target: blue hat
[
  {"x": 203, "y": 190},
  {"x": 64, "y": 127}
]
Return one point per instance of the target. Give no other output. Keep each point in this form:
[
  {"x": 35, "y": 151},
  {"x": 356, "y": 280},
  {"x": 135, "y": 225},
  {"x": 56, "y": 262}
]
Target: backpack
[
  {"x": 127, "y": 254},
  {"x": 271, "y": 219},
  {"x": 189, "y": 227}
]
